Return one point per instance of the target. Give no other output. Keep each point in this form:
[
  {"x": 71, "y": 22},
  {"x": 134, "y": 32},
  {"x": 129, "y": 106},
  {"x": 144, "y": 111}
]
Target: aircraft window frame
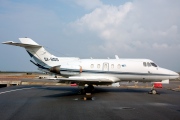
[
  {"x": 148, "y": 64},
  {"x": 112, "y": 66},
  {"x": 98, "y": 66},
  {"x": 105, "y": 66},
  {"x": 153, "y": 64},
  {"x": 144, "y": 64},
  {"x": 92, "y": 65},
  {"x": 118, "y": 66}
]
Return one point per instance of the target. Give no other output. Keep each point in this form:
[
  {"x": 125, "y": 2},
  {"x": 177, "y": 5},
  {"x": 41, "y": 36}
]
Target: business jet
[{"x": 96, "y": 71}]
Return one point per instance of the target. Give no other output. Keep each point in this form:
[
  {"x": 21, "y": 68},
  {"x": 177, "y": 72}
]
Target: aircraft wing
[{"x": 104, "y": 80}]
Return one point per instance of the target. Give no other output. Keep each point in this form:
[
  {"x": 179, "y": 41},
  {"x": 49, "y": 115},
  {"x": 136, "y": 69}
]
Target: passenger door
[{"x": 105, "y": 66}]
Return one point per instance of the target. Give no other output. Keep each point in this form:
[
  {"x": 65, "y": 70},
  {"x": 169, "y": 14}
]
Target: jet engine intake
[
  {"x": 55, "y": 69},
  {"x": 67, "y": 70}
]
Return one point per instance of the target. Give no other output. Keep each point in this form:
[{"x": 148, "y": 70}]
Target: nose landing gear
[{"x": 153, "y": 91}]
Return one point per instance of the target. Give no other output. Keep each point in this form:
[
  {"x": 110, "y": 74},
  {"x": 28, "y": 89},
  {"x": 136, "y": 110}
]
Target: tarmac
[{"x": 36, "y": 102}]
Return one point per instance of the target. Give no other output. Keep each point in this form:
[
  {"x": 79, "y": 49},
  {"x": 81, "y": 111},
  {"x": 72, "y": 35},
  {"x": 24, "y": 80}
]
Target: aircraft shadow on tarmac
[{"x": 73, "y": 91}]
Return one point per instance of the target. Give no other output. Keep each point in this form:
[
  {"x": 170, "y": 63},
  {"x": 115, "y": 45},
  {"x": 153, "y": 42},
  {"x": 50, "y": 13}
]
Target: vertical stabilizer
[{"x": 37, "y": 52}]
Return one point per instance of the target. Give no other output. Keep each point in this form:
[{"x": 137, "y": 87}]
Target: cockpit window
[
  {"x": 153, "y": 64},
  {"x": 148, "y": 64},
  {"x": 144, "y": 64}
]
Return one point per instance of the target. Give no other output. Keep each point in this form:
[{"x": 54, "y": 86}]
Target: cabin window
[
  {"x": 92, "y": 65},
  {"x": 98, "y": 65},
  {"x": 112, "y": 66},
  {"x": 144, "y": 64},
  {"x": 153, "y": 64},
  {"x": 148, "y": 64},
  {"x": 105, "y": 66},
  {"x": 118, "y": 66}
]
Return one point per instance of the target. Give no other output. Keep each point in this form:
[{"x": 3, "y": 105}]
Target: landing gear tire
[
  {"x": 154, "y": 91},
  {"x": 89, "y": 91}
]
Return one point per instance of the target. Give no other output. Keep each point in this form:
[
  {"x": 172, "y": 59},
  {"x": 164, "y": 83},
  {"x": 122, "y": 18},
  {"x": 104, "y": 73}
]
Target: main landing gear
[{"x": 88, "y": 89}]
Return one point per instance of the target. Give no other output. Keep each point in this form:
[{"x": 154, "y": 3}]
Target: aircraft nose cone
[{"x": 173, "y": 75}]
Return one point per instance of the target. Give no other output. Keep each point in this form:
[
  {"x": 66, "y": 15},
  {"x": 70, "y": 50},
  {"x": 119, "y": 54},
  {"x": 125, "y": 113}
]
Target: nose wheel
[{"x": 153, "y": 91}]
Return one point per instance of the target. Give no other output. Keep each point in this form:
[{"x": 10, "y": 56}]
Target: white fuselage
[{"x": 123, "y": 69}]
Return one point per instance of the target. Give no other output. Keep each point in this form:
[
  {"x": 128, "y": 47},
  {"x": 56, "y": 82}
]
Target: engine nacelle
[{"x": 67, "y": 70}]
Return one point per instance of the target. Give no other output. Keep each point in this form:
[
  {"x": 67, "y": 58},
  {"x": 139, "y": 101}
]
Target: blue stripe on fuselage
[{"x": 114, "y": 72}]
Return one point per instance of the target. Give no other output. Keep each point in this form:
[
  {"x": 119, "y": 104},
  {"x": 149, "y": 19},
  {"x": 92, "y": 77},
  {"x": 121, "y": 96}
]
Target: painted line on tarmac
[{"x": 16, "y": 90}]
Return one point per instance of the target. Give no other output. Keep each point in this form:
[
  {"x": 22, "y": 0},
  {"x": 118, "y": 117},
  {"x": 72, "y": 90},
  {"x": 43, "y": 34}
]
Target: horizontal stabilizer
[
  {"x": 25, "y": 42},
  {"x": 21, "y": 44}
]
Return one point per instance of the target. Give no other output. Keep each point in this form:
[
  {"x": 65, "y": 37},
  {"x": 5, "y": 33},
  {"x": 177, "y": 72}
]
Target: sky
[{"x": 92, "y": 28}]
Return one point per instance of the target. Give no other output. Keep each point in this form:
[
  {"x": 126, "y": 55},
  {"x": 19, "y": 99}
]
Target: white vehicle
[{"x": 96, "y": 71}]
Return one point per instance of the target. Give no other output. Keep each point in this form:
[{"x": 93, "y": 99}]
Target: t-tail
[{"x": 43, "y": 59}]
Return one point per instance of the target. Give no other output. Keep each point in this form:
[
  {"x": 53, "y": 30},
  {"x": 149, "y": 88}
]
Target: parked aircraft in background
[{"x": 96, "y": 71}]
